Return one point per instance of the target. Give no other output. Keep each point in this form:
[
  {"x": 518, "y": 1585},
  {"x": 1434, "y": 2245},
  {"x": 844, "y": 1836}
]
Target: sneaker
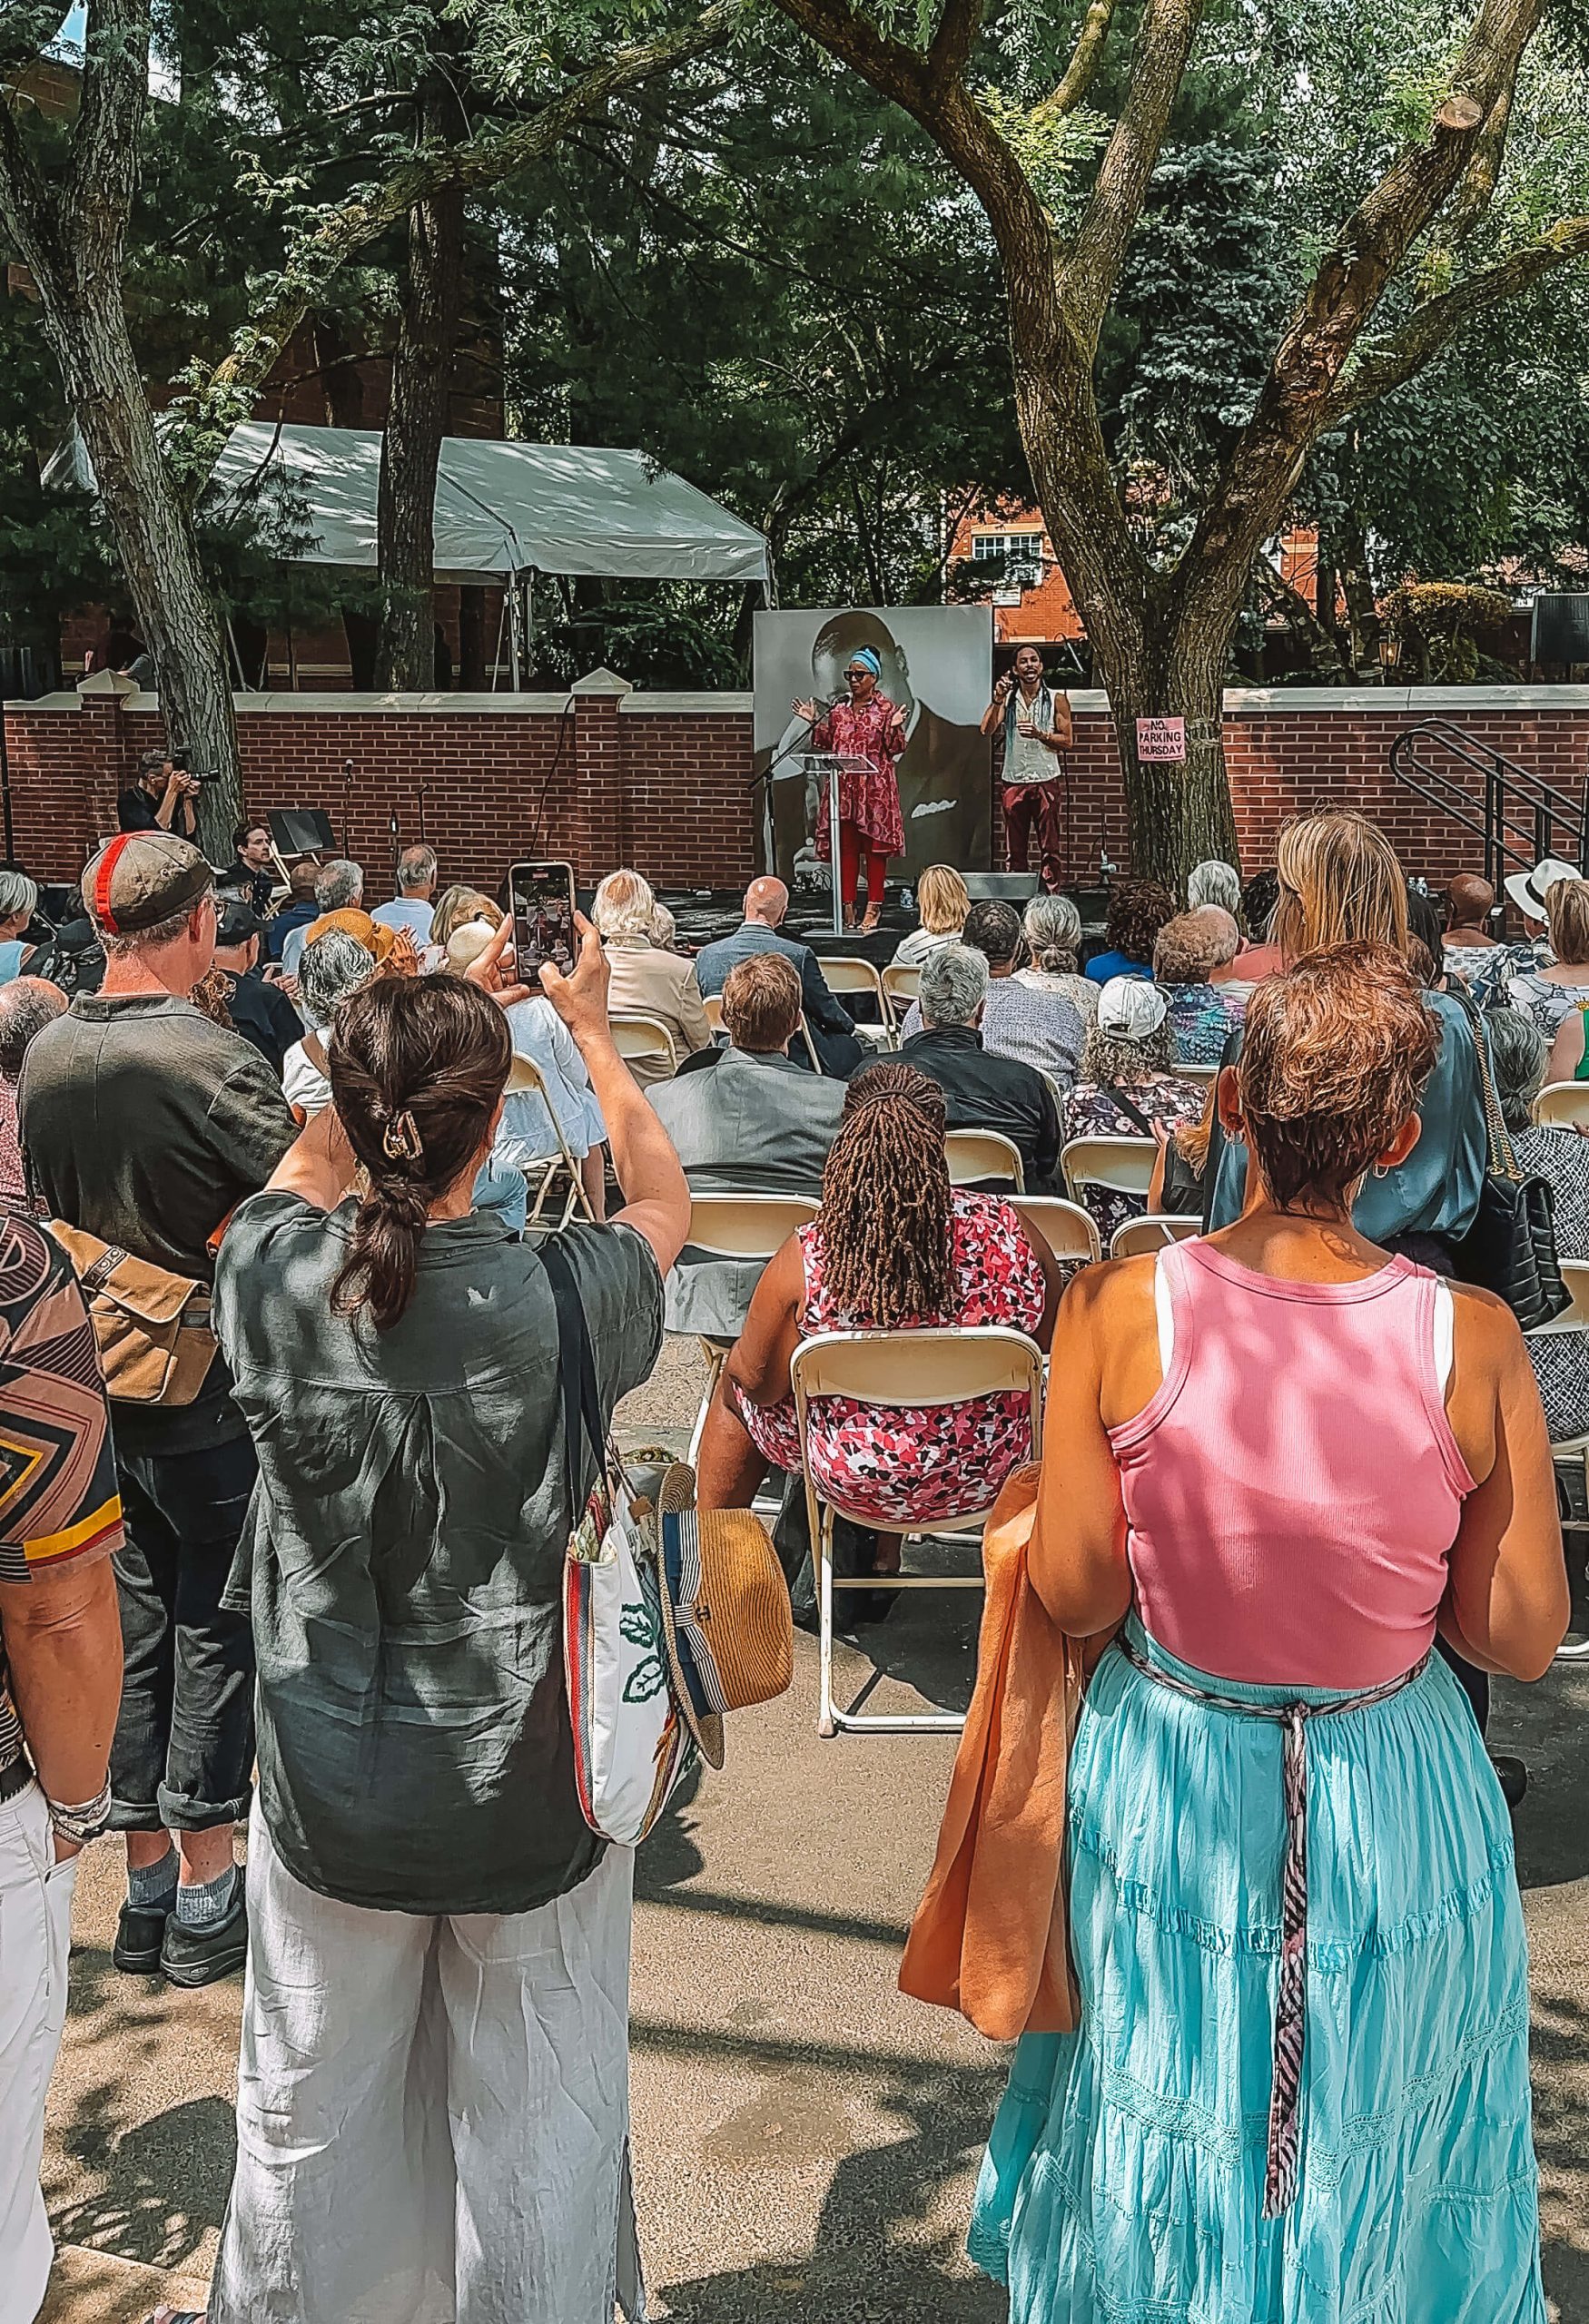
[
  {"x": 197, "y": 1956},
  {"x": 139, "y": 1937}
]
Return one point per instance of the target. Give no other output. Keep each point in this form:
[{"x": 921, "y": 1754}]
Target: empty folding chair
[
  {"x": 1070, "y": 1232},
  {"x": 851, "y": 976},
  {"x": 1123, "y": 1165},
  {"x": 976, "y": 1156}
]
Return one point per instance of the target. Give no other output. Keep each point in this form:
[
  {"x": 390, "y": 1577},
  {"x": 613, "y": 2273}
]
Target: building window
[{"x": 1025, "y": 546}]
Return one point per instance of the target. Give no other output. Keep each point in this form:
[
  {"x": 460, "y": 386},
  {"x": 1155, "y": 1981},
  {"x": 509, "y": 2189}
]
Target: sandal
[{"x": 873, "y": 914}]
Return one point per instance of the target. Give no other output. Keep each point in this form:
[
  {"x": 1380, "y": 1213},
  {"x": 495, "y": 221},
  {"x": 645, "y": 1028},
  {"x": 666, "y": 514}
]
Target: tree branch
[
  {"x": 895, "y": 69},
  {"x": 1092, "y": 266},
  {"x": 1284, "y": 598},
  {"x": 1477, "y": 187},
  {"x": 1085, "y": 59},
  {"x": 103, "y": 175},
  {"x": 214, "y": 403},
  {"x": 949, "y": 52},
  {"x": 1434, "y": 324}
]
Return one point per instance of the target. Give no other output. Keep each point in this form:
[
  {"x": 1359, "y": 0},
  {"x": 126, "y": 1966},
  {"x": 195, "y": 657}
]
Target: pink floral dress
[
  {"x": 875, "y": 731},
  {"x": 902, "y": 1464}
]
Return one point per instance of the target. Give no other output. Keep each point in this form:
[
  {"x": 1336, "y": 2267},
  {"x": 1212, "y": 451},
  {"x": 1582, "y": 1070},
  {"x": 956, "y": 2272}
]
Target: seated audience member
[
  {"x": 1137, "y": 909},
  {"x": 19, "y": 898},
  {"x": 644, "y": 981},
  {"x": 1549, "y": 994},
  {"x": 527, "y": 1133},
  {"x": 1568, "y": 1059},
  {"x": 829, "y": 1022},
  {"x": 338, "y": 887},
  {"x": 1469, "y": 943},
  {"x": 942, "y": 902},
  {"x": 455, "y": 908},
  {"x": 260, "y": 1011},
  {"x": 893, "y": 1247},
  {"x": 60, "y": 1685},
  {"x": 1185, "y": 957},
  {"x": 330, "y": 968},
  {"x": 298, "y": 910},
  {"x": 1227, "y": 972},
  {"x": 1561, "y": 1156},
  {"x": 1051, "y": 928},
  {"x": 27, "y": 1004},
  {"x": 981, "y": 1092},
  {"x": 252, "y": 873},
  {"x": 1214, "y": 882},
  {"x": 1033, "y": 1022},
  {"x": 411, "y": 908},
  {"x": 1259, "y": 956},
  {"x": 436, "y": 1937},
  {"x": 1126, "y": 1088}
]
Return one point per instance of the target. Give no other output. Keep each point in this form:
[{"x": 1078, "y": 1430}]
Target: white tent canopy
[{"x": 503, "y": 509}]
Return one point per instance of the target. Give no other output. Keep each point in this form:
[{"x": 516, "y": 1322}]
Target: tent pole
[
  {"x": 515, "y": 631},
  {"x": 529, "y": 624}
]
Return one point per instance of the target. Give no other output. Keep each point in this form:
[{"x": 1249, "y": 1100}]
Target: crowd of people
[{"x": 284, "y": 1536}]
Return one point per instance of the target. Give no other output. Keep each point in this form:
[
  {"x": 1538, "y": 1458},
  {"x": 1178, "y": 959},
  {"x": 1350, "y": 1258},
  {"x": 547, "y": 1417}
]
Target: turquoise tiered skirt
[{"x": 1124, "y": 2181}]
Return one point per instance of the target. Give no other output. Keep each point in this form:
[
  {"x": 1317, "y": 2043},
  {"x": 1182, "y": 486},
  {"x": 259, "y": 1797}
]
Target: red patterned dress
[
  {"x": 875, "y": 731},
  {"x": 908, "y": 1464}
]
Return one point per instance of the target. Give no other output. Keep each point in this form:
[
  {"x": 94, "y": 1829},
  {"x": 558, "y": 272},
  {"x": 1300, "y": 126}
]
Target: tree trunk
[
  {"x": 416, "y": 422},
  {"x": 159, "y": 557},
  {"x": 1178, "y": 810}
]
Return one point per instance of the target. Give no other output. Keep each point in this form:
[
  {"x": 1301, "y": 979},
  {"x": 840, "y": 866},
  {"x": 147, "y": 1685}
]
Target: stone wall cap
[{"x": 602, "y": 681}]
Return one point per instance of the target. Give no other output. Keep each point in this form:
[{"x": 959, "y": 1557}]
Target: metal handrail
[{"x": 1520, "y": 810}]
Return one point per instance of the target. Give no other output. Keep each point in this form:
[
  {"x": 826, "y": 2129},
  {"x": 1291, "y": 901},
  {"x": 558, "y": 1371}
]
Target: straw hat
[
  {"x": 726, "y": 1627},
  {"x": 373, "y": 934}
]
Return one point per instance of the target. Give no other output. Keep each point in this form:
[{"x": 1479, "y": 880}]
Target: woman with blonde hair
[
  {"x": 942, "y": 901},
  {"x": 1548, "y": 996},
  {"x": 647, "y": 981},
  {"x": 1341, "y": 882},
  {"x": 1280, "y": 1465}
]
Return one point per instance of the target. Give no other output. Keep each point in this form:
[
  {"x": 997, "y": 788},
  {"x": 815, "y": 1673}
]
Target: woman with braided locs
[
  {"x": 436, "y": 1935},
  {"x": 893, "y": 1247}
]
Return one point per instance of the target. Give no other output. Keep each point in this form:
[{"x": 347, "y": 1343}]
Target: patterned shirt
[{"x": 59, "y": 1504}]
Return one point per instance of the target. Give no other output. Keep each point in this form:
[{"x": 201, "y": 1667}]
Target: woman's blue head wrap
[{"x": 870, "y": 659}]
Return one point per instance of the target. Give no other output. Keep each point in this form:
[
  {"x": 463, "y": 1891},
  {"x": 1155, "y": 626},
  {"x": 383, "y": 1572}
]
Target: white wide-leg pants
[
  {"x": 35, "y": 1936},
  {"x": 432, "y": 2113}
]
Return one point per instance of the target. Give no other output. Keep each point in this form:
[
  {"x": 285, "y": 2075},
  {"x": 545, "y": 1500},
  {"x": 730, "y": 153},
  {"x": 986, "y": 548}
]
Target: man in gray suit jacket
[
  {"x": 829, "y": 1022},
  {"x": 754, "y": 1123}
]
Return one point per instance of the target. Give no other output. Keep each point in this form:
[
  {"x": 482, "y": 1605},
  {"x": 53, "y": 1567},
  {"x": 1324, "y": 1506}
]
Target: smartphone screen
[{"x": 543, "y": 917}]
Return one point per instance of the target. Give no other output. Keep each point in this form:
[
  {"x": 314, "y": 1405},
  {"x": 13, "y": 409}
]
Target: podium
[{"x": 826, "y": 767}]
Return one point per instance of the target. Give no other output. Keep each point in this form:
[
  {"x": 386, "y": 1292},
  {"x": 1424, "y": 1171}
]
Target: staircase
[{"x": 1520, "y": 817}]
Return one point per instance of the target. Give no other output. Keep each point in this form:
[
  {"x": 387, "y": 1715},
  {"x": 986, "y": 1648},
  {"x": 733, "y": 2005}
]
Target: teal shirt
[{"x": 1435, "y": 1190}]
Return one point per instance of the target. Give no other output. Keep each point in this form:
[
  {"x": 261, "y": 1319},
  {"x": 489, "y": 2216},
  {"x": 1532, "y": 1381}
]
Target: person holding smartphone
[{"x": 1033, "y": 720}]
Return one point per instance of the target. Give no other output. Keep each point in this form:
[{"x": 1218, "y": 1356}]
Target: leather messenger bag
[{"x": 151, "y": 1327}]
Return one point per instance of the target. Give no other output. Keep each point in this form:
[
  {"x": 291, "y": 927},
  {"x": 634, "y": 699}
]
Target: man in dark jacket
[
  {"x": 981, "y": 1092},
  {"x": 828, "y": 1022}
]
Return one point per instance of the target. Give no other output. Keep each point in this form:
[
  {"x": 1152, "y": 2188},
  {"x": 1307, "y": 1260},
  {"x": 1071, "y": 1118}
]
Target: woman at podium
[{"x": 868, "y": 726}]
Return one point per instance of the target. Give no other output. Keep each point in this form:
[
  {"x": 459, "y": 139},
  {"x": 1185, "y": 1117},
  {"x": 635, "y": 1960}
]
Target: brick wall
[{"x": 605, "y": 774}]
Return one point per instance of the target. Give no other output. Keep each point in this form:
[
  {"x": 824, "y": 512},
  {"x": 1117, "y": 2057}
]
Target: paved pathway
[{"x": 806, "y": 2140}]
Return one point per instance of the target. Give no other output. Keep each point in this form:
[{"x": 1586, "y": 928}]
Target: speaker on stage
[
  {"x": 1561, "y": 626},
  {"x": 1001, "y": 886}
]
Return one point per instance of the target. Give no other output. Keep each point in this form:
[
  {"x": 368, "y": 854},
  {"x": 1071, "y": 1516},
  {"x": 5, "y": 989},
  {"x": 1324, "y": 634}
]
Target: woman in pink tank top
[{"x": 1285, "y": 1462}]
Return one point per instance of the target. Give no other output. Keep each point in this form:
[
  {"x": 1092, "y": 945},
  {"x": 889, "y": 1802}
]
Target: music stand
[
  {"x": 297, "y": 831},
  {"x": 829, "y": 765}
]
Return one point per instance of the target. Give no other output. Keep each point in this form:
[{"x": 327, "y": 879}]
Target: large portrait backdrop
[{"x": 937, "y": 665}]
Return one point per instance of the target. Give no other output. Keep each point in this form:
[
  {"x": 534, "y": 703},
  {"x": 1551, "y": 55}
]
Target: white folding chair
[
  {"x": 1185, "y": 1071},
  {"x": 524, "y": 1074},
  {"x": 976, "y": 1155},
  {"x": 1152, "y": 1233},
  {"x": 903, "y": 985},
  {"x": 1574, "y": 1451},
  {"x": 646, "y": 1040},
  {"x": 1070, "y": 1232},
  {"x": 1562, "y": 1104},
  {"x": 1123, "y": 1165},
  {"x": 849, "y": 973},
  {"x": 737, "y": 1227},
  {"x": 952, "y": 1365}
]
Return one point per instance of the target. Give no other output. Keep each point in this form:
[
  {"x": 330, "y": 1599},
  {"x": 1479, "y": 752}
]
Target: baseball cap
[
  {"x": 236, "y": 924},
  {"x": 1129, "y": 1009},
  {"x": 141, "y": 878}
]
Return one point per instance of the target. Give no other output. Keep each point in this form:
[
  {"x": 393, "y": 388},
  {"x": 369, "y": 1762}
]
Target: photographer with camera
[{"x": 162, "y": 799}]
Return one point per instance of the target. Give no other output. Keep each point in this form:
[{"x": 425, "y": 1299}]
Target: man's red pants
[{"x": 1040, "y": 803}]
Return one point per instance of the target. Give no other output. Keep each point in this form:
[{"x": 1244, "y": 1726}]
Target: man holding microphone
[{"x": 1035, "y": 722}]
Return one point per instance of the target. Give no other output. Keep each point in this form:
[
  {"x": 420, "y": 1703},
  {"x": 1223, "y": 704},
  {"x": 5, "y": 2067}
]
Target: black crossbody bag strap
[
  {"x": 1132, "y": 1113},
  {"x": 575, "y": 1375}
]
